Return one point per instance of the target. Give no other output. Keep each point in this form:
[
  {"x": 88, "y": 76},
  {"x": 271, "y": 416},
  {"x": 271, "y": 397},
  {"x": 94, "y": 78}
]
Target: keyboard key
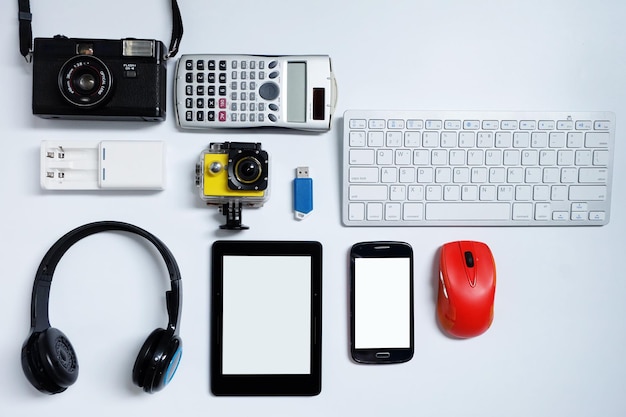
[
  {"x": 596, "y": 140},
  {"x": 587, "y": 192},
  {"x": 464, "y": 211},
  {"x": 368, "y": 192},
  {"x": 364, "y": 174}
]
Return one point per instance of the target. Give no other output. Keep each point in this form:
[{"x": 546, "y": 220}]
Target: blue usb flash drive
[{"x": 302, "y": 193}]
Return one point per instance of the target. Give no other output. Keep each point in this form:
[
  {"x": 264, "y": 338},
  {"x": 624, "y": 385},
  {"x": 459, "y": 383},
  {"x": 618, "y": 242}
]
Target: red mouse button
[{"x": 466, "y": 288}]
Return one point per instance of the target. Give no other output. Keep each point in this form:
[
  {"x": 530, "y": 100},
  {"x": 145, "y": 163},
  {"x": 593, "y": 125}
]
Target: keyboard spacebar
[{"x": 468, "y": 211}]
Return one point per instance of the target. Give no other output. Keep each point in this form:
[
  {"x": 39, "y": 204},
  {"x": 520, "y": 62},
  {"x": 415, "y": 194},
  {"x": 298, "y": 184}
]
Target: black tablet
[{"x": 266, "y": 318}]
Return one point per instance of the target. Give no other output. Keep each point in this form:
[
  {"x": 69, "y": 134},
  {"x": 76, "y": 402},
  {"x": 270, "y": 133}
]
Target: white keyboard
[{"x": 457, "y": 168}]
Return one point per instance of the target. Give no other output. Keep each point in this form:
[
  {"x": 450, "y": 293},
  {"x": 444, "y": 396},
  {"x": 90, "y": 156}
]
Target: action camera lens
[
  {"x": 85, "y": 81},
  {"x": 248, "y": 170}
]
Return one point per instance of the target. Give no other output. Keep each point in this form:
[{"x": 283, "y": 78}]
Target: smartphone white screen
[
  {"x": 266, "y": 320},
  {"x": 382, "y": 303}
]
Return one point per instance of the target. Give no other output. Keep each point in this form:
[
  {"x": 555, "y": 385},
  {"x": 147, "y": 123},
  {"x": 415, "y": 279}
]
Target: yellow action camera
[{"x": 232, "y": 175}]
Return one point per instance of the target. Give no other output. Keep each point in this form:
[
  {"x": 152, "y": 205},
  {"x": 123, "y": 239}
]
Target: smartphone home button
[{"x": 383, "y": 355}]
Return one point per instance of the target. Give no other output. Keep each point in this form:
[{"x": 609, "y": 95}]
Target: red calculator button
[
  {"x": 222, "y": 116},
  {"x": 222, "y": 103}
]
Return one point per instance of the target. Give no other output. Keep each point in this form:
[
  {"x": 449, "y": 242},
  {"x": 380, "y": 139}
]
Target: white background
[{"x": 556, "y": 346}]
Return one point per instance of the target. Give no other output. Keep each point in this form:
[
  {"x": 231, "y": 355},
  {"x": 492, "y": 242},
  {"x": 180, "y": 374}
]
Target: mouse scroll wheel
[{"x": 469, "y": 259}]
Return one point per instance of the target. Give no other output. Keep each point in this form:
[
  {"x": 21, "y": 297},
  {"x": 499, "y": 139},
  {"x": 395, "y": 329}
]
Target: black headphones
[{"x": 48, "y": 359}]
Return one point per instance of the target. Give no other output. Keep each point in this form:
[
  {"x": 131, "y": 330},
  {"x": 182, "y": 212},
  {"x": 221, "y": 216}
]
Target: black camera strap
[{"x": 25, "y": 18}]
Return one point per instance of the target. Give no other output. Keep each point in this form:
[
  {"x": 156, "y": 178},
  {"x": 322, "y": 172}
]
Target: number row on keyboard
[
  {"x": 461, "y": 175},
  {"x": 444, "y": 139},
  {"x": 458, "y": 157},
  {"x": 574, "y": 193}
]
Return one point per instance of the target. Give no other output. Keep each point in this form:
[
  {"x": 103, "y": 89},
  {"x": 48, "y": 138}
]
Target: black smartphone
[{"x": 381, "y": 302}]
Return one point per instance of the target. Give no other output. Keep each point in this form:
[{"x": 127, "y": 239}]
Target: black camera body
[{"x": 99, "y": 79}]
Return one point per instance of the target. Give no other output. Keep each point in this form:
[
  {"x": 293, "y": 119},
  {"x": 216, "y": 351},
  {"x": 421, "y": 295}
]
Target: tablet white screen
[{"x": 266, "y": 319}]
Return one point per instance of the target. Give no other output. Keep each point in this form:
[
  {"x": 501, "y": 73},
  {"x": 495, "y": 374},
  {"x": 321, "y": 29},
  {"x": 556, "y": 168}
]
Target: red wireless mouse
[{"x": 467, "y": 287}]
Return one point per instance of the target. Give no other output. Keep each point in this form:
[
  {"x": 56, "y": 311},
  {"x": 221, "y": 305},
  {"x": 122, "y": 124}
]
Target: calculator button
[
  {"x": 189, "y": 90},
  {"x": 273, "y": 74},
  {"x": 222, "y": 103},
  {"x": 211, "y": 103},
  {"x": 200, "y": 90},
  {"x": 272, "y": 64},
  {"x": 200, "y": 103},
  {"x": 200, "y": 116},
  {"x": 200, "y": 65},
  {"x": 211, "y": 77},
  {"x": 211, "y": 90},
  {"x": 189, "y": 116},
  {"x": 222, "y": 90},
  {"x": 189, "y": 77},
  {"x": 222, "y": 78},
  {"x": 261, "y": 64},
  {"x": 269, "y": 91},
  {"x": 252, "y": 65},
  {"x": 189, "y": 103},
  {"x": 200, "y": 77},
  {"x": 243, "y": 65},
  {"x": 272, "y": 117},
  {"x": 233, "y": 65},
  {"x": 221, "y": 116},
  {"x": 233, "y": 75},
  {"x": 188, "y": 64},
  {"x": 222, "y": 65},
  {"x": 210, "y": 116},
  {"x": 211, "y": 65},
  {"x": 273, "y": 106}
]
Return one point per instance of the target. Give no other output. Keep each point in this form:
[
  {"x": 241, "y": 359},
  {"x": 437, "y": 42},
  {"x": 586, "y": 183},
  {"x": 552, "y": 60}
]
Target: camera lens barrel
[
  {"x": 85, "y": 81},
  {"x": 248, "y": 170}
]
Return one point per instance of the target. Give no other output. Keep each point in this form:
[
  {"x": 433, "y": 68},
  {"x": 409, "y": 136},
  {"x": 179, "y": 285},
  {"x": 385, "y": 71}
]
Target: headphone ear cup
[
  {"x": 49, "y": 361},
  {"x": 157, "y": 361}
]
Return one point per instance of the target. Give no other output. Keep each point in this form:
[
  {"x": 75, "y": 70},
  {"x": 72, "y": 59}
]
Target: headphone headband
[{"x": 43, "y": 278}]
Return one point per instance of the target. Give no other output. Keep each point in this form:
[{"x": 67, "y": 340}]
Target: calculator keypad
[{"x": 244, "y": 90}]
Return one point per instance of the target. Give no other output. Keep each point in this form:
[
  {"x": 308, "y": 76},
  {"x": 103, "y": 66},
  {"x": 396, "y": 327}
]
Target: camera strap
[{"x": 25, "y": 18}]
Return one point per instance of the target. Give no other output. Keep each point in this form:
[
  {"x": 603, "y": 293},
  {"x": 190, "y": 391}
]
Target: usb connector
[
  {"x": 102, "y": 165},
  {"x": 302, "y": 193}
]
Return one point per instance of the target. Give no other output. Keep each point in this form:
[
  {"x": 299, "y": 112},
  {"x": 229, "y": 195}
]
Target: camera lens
[
  {"x": 85, "y": 81},
  {"x": 248, "y": 170}
]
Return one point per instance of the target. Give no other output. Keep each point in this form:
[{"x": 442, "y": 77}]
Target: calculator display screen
[{"x": 296, "y": 92}]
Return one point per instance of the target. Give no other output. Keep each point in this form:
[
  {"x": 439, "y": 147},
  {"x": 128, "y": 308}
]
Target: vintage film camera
[
  {"x": 232, "y": 175},
  {"x": 99, "y": 79}
]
